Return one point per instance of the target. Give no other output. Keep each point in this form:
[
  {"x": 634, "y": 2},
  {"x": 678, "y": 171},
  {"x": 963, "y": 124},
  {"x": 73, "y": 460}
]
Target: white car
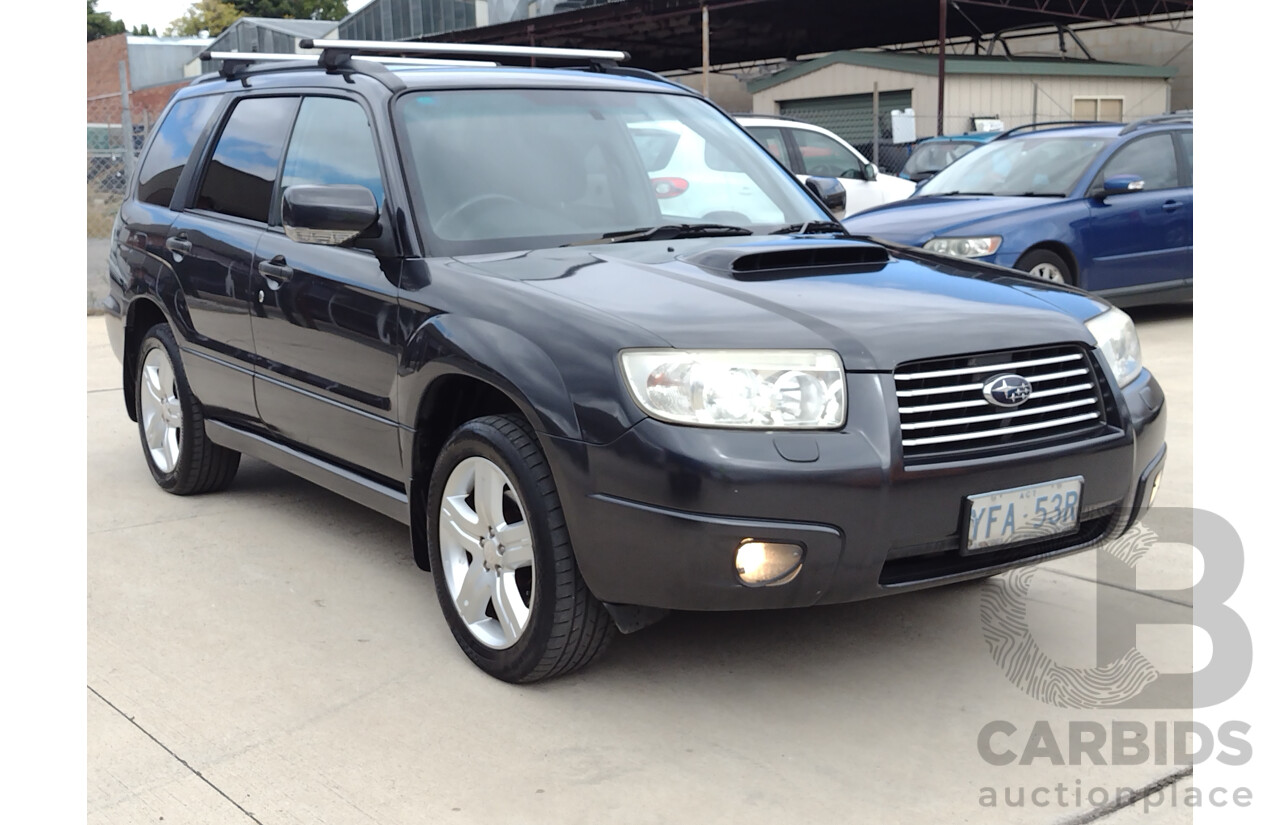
[
  {"x": 694, "y": 182},
  {"x": 808, "y": 150}
]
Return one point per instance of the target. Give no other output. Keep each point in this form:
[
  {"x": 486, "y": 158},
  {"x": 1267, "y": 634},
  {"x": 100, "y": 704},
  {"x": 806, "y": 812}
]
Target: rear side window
[
  {"x": 242, "y": 172},
  {"x": 172, "y": 146},
  {"x": 656, "y": 146},
  {"x": 770, "y": 137},
  {"x": 332, "y": 143}
]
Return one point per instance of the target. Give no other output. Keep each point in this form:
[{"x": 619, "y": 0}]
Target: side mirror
[
  {"x": 1120, "y": 184},
  {"x": 331, "y": 214},
  {"x": 830, "y": 191},
  {"x": 870, "y": 171}
]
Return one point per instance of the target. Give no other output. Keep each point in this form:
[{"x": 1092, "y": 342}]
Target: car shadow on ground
[
  {"x": 1160, "y": 312},
  {"x": 895, "y": 633}
]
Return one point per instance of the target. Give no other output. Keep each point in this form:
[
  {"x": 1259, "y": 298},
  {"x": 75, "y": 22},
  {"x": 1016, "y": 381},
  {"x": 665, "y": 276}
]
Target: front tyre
[
  {"x": 500, "y": 556},
  {"x": 182, "y": 459},
  {"x": 1046, "y": 265}
]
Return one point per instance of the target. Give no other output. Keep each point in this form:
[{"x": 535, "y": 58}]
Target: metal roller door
[{"x": 849, "y": 116}]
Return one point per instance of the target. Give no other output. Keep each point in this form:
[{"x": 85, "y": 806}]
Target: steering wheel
[{"x": 456, "y": 213}]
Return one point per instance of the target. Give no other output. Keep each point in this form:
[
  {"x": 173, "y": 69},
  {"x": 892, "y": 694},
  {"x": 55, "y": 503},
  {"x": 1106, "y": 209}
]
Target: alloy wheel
[
  {"x": 161, "y": 410},
  {"x": 486, "y": 551}
]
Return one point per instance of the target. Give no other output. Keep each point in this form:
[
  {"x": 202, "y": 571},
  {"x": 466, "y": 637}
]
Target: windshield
[
  {"x": 509, "y": 169},
  {"x": 930, "y": 157},
  {"x": 1023, "y": 166}
]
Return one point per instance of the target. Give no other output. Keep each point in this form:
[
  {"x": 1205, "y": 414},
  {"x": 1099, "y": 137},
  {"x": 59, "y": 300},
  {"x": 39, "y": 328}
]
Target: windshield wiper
[
  {"x": 811, "y": 228},
  {"x": 958, "y": 192},
  {"x": 667, "y": 232}
]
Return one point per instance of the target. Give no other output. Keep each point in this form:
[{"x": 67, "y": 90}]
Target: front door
[
  {"x": 1138, "y": 238},
  {"x": 325, "y": 323}
]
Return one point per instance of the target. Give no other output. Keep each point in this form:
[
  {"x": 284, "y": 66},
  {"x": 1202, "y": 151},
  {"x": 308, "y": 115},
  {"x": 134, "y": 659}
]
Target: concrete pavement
[{"x": 271, "y": 654}]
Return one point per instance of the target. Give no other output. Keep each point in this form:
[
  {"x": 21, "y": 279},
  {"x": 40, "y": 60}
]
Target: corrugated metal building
[
  {"x": 837, "y": 91},
  {"x": 157, "y": 60},
  {"x": 407, "y": 19}
]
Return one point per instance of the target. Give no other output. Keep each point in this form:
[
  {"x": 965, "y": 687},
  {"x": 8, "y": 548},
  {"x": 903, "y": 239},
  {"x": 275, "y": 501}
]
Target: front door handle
[
  {"x": 178, "y": 244},
  {"x": 275, "y": 270},
  {"x": 1172, "y": 206}
]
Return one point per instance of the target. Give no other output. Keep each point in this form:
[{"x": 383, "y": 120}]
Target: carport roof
[
  {"x": 666, "y": 35},
  {"x": 927, "y": 64}
]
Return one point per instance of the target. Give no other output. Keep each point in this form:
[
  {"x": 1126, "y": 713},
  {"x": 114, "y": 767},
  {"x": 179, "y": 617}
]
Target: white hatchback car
[
  {"x": 693, "y": 181},
  {"x": 808, "y": 150}
]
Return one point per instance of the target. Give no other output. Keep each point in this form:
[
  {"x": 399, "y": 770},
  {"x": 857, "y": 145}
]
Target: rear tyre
[
  {"x": 500, "y": 556},
  {"x": 182, "y": 459},
  {"x": 1046, "y": 265}
]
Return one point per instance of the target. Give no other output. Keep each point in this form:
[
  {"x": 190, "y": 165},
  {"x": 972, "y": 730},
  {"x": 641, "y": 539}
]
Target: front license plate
[{"x": 1023, "y": 514}]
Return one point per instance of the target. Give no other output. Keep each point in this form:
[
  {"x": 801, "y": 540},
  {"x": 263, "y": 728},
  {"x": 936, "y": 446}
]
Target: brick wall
[{"x": 104, "y": 56}]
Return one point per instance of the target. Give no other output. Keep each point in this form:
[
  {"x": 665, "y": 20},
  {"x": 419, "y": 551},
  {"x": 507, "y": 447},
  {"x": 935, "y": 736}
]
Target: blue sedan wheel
[{"x": 1046, "y": 265}]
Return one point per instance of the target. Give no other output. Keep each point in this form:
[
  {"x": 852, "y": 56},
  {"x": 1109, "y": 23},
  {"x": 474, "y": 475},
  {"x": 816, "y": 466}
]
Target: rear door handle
[
  {"x": 179, "y": 244},
  {"x": 1172, "y": 206},
  {"x": 275, "y": 270}
]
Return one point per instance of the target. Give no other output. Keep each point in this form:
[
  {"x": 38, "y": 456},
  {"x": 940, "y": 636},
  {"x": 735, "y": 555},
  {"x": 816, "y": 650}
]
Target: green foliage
[
  {"x": 211, "y": 16},
  {"x": 297, "y": 9},
  {"x": 102, "y": 24},
  {"x": 144, "y": 31}
]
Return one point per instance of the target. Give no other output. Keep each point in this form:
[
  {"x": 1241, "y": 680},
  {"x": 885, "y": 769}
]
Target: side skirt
[{"x": 375, "y": 496}]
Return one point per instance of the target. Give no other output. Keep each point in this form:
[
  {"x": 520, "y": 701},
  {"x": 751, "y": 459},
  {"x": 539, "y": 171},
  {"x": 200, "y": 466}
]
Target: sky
[{"x": 158, "y": 14}]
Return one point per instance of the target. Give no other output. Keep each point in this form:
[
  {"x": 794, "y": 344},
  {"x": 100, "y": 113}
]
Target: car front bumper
[{"x": 656, "y": 516}]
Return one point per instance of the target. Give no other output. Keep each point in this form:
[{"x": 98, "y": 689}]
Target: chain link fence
[{"x": 111, "y": 155}]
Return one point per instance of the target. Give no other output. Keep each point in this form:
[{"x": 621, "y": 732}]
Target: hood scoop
[{"x": 789, "y": 258}]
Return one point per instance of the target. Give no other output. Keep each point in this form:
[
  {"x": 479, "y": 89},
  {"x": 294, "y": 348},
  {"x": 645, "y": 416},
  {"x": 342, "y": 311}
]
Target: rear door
[
  {"x": 1140, "y": 238},
  {"x": 212, "y": 243},
  {"x": 325, "y": 322}
]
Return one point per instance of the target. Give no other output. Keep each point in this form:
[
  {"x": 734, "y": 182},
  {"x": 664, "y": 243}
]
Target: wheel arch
[
  {"x": 454, "y": 397},
  {"x": 143, "y": 314}
]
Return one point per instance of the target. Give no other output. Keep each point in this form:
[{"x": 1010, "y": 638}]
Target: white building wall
[{"x": 1015, "y": 99}]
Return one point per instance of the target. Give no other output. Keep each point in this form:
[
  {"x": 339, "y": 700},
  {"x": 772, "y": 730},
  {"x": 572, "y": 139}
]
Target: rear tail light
[{"x": 669, "y": 187}]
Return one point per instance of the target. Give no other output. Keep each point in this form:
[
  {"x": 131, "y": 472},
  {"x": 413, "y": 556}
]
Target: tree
[
  {"x": 205, "y": 16},
  {"x": 101, "y": 23},
  {"x": 297, "y": 9},
  {"x": 143, "y": 31}
]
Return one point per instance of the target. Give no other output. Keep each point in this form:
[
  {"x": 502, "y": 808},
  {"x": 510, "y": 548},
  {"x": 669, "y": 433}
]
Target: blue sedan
[{"x": 1104, "y": 207}]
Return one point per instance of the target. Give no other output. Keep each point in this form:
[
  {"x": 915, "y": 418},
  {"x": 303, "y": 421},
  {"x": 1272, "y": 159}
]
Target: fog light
[
  {"x": 767, "y": 563},
  {"x": 1155, "y": 486}
]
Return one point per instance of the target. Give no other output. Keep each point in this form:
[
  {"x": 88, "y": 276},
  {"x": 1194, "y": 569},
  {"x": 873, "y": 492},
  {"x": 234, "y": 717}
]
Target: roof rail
[
  {"x": 233, "y": 63},
  {"x": 336, "y": 52},
  {"x": 1176, "y": 117},
  {"x": 1029, "y": 127},
  {"x": 771, "y": 117}
]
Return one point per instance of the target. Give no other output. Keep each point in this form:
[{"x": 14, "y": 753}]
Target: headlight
[
  {"x": 1118, "y": 341},
  {"x": 965, "y": 247},
  {"x": 767, "y": 389}
]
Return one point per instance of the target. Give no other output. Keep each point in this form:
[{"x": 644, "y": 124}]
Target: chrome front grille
[{"x": 944, "y": 413}]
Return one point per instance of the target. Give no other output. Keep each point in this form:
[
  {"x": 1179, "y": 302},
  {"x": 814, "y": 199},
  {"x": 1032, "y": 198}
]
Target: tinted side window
[
  {"x": 172, "y": 146},
  {"x": 242, "y": 172},
  {"x": 1150, "y": 158},
  {"x": 332, "y": 143},
  {"x": 656, "y": 146}
]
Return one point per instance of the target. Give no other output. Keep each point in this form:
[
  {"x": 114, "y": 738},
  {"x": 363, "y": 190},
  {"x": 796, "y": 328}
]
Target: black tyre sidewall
[
  {"x": 161, "y": 336},
  {"x": 479, "y": 438},
  {"x": 1044, "y": 256}
]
